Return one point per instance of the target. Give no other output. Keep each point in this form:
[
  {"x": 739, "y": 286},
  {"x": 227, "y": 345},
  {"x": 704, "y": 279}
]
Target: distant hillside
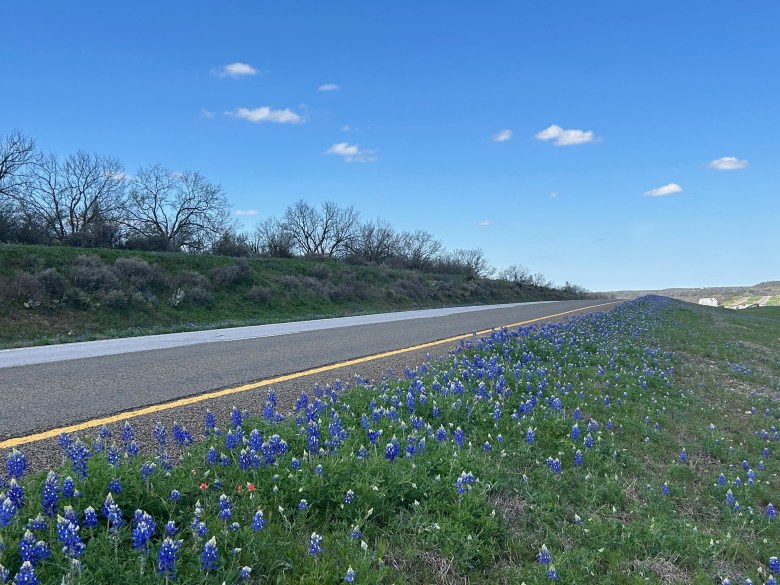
[
  {"x": 692, "y": 295},
  {"x": 51, "y": 294}
]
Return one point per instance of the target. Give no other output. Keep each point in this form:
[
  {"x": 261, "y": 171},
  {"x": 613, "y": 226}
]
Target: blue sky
[{"x": 616, "y": 145}]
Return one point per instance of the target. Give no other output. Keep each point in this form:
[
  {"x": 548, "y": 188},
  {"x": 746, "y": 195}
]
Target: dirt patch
[{"x": 511, "y": 507}]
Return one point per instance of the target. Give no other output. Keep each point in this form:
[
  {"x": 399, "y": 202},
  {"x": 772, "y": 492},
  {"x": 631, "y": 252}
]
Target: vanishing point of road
[{"x": 50, "y": 387}]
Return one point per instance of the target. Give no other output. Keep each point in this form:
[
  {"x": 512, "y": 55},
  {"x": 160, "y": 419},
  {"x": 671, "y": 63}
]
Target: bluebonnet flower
[
  {"x": 303, "y": 505},
  {"x": 26, "y": 575},
  {"x": 145, "y": 528},
  {"x": 32, "y": 550},
  {"x": 127, "y": 433},
  {"x": 487, "y": 447},
  {"x": 459, "y": 437},
  {"x": 588, "y": 441},
  {"x": 70, "y": 514},
  {"x": 577, "y": 413},
  {"x": 578, "y": 458},
  {"x": 199, "y": 528},
  {"x": 114, "y": 456},
  {"x": 212, "y": 456},
  {"x": 349, "y": 497},
  {"x": 16, "y": 464},
  {"x": 721, "y": 479},
  {"x": 255, "y": 440},
  {"x": 170, "y": 528},
  {"x": 544, "y": 556},
  {"x": 133, "y": 449},
  {"x": 770, "y": 511},
  {"x": 362, "y": 453},
  {"x": 315, "y": 545},
  {"x": 4, "y": 574},
  {"x": 575, "y": 432},
  {"x": 258, "y": 521},
  {"x": 552, "y": 573},
  {"x": 235, "y": 418},
  {"x": 78, "y": 453},
  {"x": 68, "y": 487},
  {"x": 683, "y": 456},
  {"x": 174, "y": 496},
  {"x": 181, "y": 436},
  {"x": 233, "y": 439},
  {"x": 761, "y": 465},
  {"x": 665, "y": 489},
  {"x": 234, "y": 526},
  {"x": 244, "y": 460},
  {"x": 295, "y": 463},
  {"x": 225, "y": 512},
  {"x": 7, "y": 510},
  {"x": 16, "y": 493},
  {"x": 37, "y": 524},
  {"x": 112, "y": 512},
  {"x": 350, "y": 576},
  {"x": 319, "y": 470},
  {"x": 355, "y": 533},
  {"x": 51, "y": 494},
  {"x": 167, "y": 557},
  {"x": 115, "y": 486},
  {"x": 208, "y": 556},
  {"x": 774, "y": 565},
  {"x": 391, "y": 451},
  {"x": 529, "y": 436},
  {"x": 224, "y": 460},
  {"x": 210, "y": 422},
  {"x": 90, "y": 518},
  {"x": 730, "y": 498},
  {"x": 244, "y": 573},
  {"x": 68, "y": 535},
  {"x": 147, "y": 469},
  {"x": 160, "y": 434}
]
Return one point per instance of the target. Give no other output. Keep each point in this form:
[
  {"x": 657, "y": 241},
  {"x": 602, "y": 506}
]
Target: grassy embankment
[
  {"x": 640, "y": 446},
  {"x": 50, "y": 294}
]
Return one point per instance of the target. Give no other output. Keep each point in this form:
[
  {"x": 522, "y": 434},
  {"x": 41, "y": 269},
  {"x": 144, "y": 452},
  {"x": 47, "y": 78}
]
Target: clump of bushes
[
  {"x": 223, "y": 276},
  {"x": 259, "y": 294}
]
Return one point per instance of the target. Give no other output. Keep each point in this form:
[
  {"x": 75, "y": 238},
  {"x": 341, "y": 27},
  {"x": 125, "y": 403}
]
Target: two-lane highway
[{"x": 54, "y": 386}]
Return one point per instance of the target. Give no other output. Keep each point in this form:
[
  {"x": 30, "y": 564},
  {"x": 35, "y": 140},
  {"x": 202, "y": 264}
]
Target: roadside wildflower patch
[{"x": 581, "y": 452}]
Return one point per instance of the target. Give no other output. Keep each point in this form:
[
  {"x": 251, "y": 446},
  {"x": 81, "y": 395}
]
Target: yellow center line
[{"x": 97, "y": 422}]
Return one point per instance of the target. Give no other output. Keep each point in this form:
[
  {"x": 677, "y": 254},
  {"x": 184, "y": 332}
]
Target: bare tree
[
  {"x": 419, "y": 249},
  {"x": 17, "y": 152},
  {"x": 324, "y": 232},
  {"x": 77, "y": 201},
  {"x": 515, "y": 273},
  {"x": 184, "y": 211},
  {"x": 376, "y": 241},
  {"x": 272, "y": 238},
  {"x": 472, "y": 262}
]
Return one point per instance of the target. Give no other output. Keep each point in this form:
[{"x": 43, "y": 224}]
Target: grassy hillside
[
  {"x": 637, "y": 446},
  {"x": 724, "y": 294},
  {"x": 51, "y": 294}
]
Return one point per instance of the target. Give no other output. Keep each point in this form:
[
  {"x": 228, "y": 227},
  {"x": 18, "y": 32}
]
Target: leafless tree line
[{"x": 89, "y": 200}]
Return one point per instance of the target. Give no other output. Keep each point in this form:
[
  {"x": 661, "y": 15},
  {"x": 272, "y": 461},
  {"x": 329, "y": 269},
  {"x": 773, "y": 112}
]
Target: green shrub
[
  {"x": 259, "y": 294},
  {"x": 223, "y": 276}
]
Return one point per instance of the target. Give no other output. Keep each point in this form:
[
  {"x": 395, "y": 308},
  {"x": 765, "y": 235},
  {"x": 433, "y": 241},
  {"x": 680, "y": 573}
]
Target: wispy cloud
[
  {"x": 728, "y": 163},
  {"x": 346, "y": 128},
  {"x": 502, "y": 135},
  {"x": 245, "y": 212},
  {"x": 266, "y": 114},
  {"x": 352, "y": 152},
  {"x": 668, "y": 189},
  {"x": 207, "y": 114},
  {"x": 554, "y": 194},
  {"x": 485, "y": 222},
  {"x": 234, "y": 70},
  {"x": 563, "y": 137},
  {"x": 328, "y": 87}
]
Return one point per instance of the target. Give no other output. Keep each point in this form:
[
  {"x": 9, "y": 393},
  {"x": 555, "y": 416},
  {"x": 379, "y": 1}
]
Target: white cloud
[
  {"x": 266, "y": 114},
  {"x": 245, "y": 212},
  {"x": 351, "y": 152},
  {"x": 553, "y": 194},
  {"x": 345, "y": 128},
  {"x": 328, "y": 87},
  {"x": 668, "y": 189},
  {"x": 207, "y": 114},
  {"x": 234, "y": 70},
  {"x": 728, "y": 163},
  {"x": 502, "y": 135},
  {"x": 565, "y": 137},
  {"x": 485, "y": 222}
]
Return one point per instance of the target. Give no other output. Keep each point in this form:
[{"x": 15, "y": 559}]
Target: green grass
[
  {"x": 294, "y": 289},
  {"x": 644, "y": 381}
]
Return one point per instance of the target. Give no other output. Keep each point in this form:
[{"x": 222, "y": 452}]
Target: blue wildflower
[
  {"x": 90, "y": 518},
  {"x": 588, "y": 441},
  {"x": 16, "y": 464},
  {"x": 235, "y": 418},
  {"x": 303, "y": 505},
  {"x": 167, "y": 557},
  {"x": 16, "y": 493},
  {"x": 459, "y": 437},
  {"x": 174, "y": 496},
  {"x": 26, "y": 575},
  {"x": 552, "y": 573},
  {"x": 258, "y": 521},
  {"x": 115, "y": 486},
  {"x": 544, "y": 556},
  {"x": 665, "y": 489},
  {"x": 145, "y": 528},
  {"x": 770, "y": 511},
  {"x": 578, "y": 458},
  {"x": 171, "y": 528},
  {"x": 529, "y": 436},
  {"x": 575, "y": 432},
  {"x": 160, "y": 434},
  {"x": 208, "y": 557},
  {"x": 210, "y": 422},
  {"x": 350, "y": 576},
  {"x": 349, "y": 497},
  {"x": 51, "y": 494},
  {"x": 315, "y": 545},
  {"x": 683, "y": 456},
  {"x": 244, "y": 573},
  {"x": 774, "y": 565},
  {"x": 68, "y": 535}
]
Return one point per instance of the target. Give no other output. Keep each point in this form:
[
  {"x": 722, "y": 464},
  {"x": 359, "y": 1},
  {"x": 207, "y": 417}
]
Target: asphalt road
[{"x": 56, "y": 387}]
